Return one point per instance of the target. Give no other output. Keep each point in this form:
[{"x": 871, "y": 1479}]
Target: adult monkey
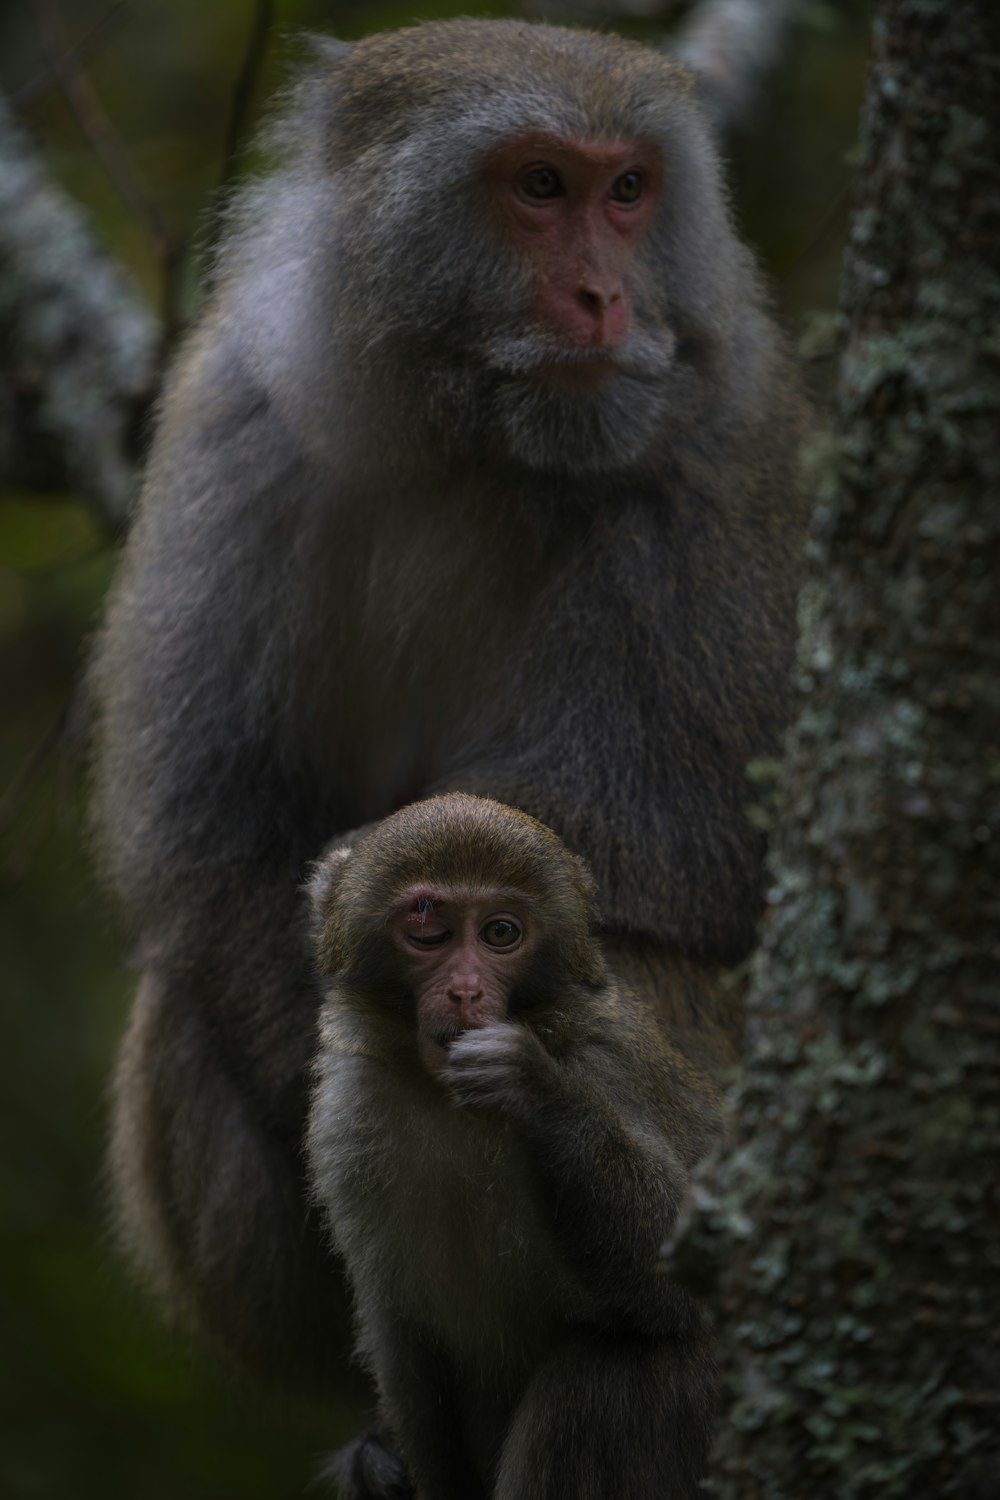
[{"x": 476, "y": 475}]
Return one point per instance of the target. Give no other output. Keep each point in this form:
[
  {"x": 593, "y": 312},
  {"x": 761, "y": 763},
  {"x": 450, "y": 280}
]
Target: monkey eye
[
  {"x": 501, "y": 932},
  {"x": 430, "y": 940},
  {"x": 627, "y": 188},
  {"x": 541, "y": 182}
]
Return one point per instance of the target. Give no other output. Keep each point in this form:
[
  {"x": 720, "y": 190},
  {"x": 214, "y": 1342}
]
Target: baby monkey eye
[
  {"x": 627, "y": 188},
  {"x": 501, "y": 933},
  {"x": 541, "y": 182},
  {"x": 431, "y": 940}
]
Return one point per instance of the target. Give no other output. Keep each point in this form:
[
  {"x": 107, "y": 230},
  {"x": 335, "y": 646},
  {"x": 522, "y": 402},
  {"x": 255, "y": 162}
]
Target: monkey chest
[{"x": 436, "y": 1216}]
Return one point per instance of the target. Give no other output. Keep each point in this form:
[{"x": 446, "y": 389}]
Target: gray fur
[{"x": 372, "y": 561}]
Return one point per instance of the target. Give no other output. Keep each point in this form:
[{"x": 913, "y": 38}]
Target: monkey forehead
[
  {"x": 497, "y": 77},
  {"x": 597, "y": 155},
  {"x": 464, "y": 842},
  {"x": 457, "y": 842},
  {"x": 425, "y": 898}
]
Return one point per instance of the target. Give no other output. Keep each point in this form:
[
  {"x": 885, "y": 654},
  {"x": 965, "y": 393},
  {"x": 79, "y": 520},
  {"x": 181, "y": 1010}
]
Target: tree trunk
[{"x": 858, "y": 1212}]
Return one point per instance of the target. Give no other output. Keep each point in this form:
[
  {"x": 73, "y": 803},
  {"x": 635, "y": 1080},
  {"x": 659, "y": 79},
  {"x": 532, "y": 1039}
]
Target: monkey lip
[
  {"x": 433, "y": 1048},
  {"x": 446, "y": 1035},
  {"x": 579, "y": 376}
]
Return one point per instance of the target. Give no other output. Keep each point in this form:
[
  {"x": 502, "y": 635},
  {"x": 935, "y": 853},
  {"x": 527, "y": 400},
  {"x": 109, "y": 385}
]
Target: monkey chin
[
  {"x": 579, "y": 377},
  {"x": 589, "y": 433},
  {"x": 581, "y": 412}
]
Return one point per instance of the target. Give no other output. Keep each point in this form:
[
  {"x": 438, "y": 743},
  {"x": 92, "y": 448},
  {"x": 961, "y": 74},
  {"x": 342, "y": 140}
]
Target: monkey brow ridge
[{"x": 428, "y": 900}]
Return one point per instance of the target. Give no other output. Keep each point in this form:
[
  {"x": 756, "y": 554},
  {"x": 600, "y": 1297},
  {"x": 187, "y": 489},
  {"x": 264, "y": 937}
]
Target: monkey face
[
  {"x": 575, "y": 213},
  {"x": 579, "y": 377},
  {"x": 540, "y": 338},
  {"x": 462, "y": 954}
]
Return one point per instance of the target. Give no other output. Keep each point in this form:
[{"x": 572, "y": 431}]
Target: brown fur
[{"x": 508, "y": 1282}]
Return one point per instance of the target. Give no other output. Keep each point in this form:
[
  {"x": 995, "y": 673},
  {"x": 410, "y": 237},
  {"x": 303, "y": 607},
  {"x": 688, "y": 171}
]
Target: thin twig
[
  {"x": 86, "y": 106},
  {"x": 85, "y": 47},
  {"x": 15, "y": 796},
  {"x": 835, "y": 213},
  {"x": 243, "y": 89}
]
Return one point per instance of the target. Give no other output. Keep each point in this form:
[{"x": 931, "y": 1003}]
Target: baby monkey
[{"x": 500, "y": 1138}]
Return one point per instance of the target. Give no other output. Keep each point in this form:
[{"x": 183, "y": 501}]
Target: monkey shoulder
[
  {"x": 191, "y": 676},
  {"x": 221, "y": 441}
]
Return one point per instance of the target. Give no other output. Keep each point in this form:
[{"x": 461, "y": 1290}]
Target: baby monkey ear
[{"x": 322, "y": 887}]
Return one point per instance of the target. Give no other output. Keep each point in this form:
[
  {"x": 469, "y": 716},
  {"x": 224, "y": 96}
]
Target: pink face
[
  {"x": 577, "y": 212},
  {"x": 462, "y": 956}
]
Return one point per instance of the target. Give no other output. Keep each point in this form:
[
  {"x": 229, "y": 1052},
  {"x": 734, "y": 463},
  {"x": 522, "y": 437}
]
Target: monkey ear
[
  {"x": 322, "y": 887},
  {"x": 324, "y": 880}
]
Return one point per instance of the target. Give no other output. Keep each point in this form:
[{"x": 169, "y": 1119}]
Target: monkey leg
[
  {"x": 612, "y": 1417},
  {"x": 367, "y": 1470},
  {"x": 211, "y": 1201},
  {"x": 420, "y": 1411}
]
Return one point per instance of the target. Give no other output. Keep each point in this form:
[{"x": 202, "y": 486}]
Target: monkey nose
[
  {"x": 470, "y": 1005},
  {"x": 598, "y": 314},
  {"x": 465, "y": 991},
  {"x": 597, "y": 301}
]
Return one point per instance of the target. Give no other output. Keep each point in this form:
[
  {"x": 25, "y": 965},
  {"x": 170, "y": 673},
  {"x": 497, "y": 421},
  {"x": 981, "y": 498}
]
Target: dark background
[{"x": 97, "y": 1398}]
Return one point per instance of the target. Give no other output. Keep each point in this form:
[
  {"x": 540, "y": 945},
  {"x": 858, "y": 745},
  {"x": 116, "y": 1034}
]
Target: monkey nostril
[{"x": 596, "y": 301}]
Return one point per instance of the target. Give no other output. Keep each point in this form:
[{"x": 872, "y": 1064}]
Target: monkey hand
[{"x": 497, "y": 1067}]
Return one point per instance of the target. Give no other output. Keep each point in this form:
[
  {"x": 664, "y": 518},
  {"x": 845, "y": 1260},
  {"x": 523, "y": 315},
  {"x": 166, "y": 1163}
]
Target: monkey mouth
[
  {"x": 645, "y": 356},
  {"x": 433, "y": 1047},
  {"x": 445, "y": 1035}
]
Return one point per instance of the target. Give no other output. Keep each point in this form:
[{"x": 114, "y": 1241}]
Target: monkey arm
[
  {"x": 205, "y": 816},
  {"x": 207, "y": 829},
  {"x": 599, "y": 1139}
]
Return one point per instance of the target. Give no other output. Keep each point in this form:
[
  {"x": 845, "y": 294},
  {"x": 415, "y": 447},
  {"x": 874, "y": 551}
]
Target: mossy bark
[{"x": 856, "y": 1219}]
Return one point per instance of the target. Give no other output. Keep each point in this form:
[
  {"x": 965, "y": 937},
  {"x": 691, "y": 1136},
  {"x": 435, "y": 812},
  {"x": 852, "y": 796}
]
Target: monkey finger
[
  {"x": 482, "y": 1078},
  {"x": 487, "y": 1094},
  {"x": 501, "y": 1039}
]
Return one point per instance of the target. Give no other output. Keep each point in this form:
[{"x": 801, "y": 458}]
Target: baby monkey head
[{"x": 459, "y": 913}]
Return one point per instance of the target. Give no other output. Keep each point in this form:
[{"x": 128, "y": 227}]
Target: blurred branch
[
  {"x": 243, "y": 91},
  {"x": 78, "y": 350},
  {"x": 835, "y": 215},
  {"x": 731, "y": 46},
  {"x": 79, "y": 52},
  {"x": 86, "y": 106},
  {"x": 15, "y": 795}
]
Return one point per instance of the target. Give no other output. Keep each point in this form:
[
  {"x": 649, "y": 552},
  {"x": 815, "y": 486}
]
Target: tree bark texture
[{"x": 856, "y": 1220}]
